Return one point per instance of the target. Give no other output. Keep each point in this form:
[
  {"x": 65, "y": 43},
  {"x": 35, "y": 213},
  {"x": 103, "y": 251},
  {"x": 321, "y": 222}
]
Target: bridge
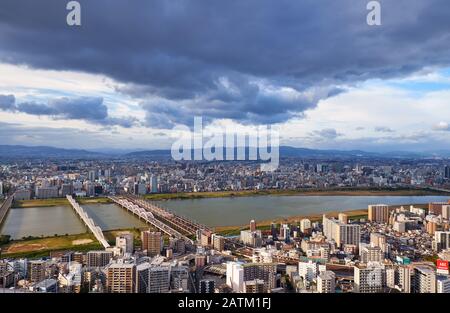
[
  {"x": 146, "y": 213},
  {"x": 176, "y": 221},
  {"x": 4, "y": 208},
  {"x": 89, "y": 222}
]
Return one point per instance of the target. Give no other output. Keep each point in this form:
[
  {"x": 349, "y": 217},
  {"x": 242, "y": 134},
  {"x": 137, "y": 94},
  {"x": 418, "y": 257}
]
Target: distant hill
[
  {"x": 21, "y": 152},
  {"x": 286, "y": 151},
  {"x": 9, "y": 151}
]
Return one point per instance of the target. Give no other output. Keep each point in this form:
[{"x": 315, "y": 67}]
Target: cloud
[
  {"x": 442, "y": 126},
  {"x": 383, "y": 129},
  {"x": 326, "y": 134},
  {"x": 90, "y": 109},
  {"x": 228, "y": 59},
  {"x": 7, "y": 102}
]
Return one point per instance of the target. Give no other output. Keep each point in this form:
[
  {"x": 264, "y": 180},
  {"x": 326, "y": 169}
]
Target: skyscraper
[
  {"x": 121, "y": 278},
  {"x": 370, "y": 278},
  {"x": 326, "y": 282},
  {"x": 252, "y": 225},
  {"x": 98, "y": 258},
  {"x": 441, "y": 240},
  {"x": 206, "y": 286},
  {"x": 159, "y": 279},
  {"x": 142, "y": 277},
  {"x": 379, "y": 213},
  {"x": 125, "y": 242},
  {"x": 423, "y": 279},
  {"x": 152, "y": 242},
  {"x": 342, "y": 234},
  {"x": 447, "y": 171},
  {"x": 36, "y": 271}
]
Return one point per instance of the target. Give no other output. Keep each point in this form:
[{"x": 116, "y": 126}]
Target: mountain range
[{"x": 34, "y": 152}]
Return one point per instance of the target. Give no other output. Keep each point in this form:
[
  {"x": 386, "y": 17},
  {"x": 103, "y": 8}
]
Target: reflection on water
[
  {"x": 240, "y": 210},
  {"x": 43, "y": 221},
  {"x": 47, "y": 221},
  {"x": 111, "y": 216}
]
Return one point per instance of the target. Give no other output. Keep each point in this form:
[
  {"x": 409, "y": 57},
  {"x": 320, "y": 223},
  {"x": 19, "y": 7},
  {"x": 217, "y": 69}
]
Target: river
[
  {"x": 61, "y": 220},
  {"x": 240, "y": 210}
]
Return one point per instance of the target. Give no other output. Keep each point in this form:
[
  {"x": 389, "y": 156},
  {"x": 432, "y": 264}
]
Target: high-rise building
[
  {"x": 179, "y": 278},
  {"x": 159, "y": 279},
  {"x": 121, "y": 277},
  {"x": 252, "y": 225},
  {"x": 379, "y": 213},
  {"x": 441, "y": 240},
  {"x": 423, "y": 279},
  {"x": 238, "y": 273},
  {"x": 178, "y": 245},
  {"x": 142, "y": 277},
  {"x": 308, "y": 271},
  {"x": 154, "y": 184},
  {"x": 152, "y": 242},
  {"x": 369, "y": 278},
  {"x": 125, "y": 242},
  {"x": 305, "y": 225},
  {"x": 47, "y": 192},
  {"x": 66, "y": 189},
  {"x": 92, "y": 175},
  {"x": 254, "y": 286},
  {"x": 98, "y": 258},
  {"x": 206, "y": 286},
  {"x": 371, "y": 253},
  {"x": 218, "y": 242},
  {"x": 447, "y": 171},
  {"x": 251, "y": 238},
  {"x": 403, "y": 278},
  {"x": 1, "y": 189},
  {"x": 431, "y": 227},
  {"x": 326, "y": 282},
  {"x": 273, "y": 230},
  {"x": 436, "y": 207},
  {"x": 343, "y": 218},
  {"x": 443, "y": 284},
  {"x": 36, "y": 271},
  {"x": 446, "y": 211},
  {"x": 342, "y": 234}
]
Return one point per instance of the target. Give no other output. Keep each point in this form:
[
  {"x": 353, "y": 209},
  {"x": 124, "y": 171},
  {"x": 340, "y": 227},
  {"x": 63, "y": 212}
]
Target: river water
[
  {"x": 61, "y": 220},
  {"x": 48, "y": 221},
  {"x": 240, "y": 210}
]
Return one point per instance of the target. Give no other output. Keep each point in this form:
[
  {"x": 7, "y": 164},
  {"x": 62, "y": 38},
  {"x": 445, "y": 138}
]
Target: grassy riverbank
[
  {"x": 36, "y": 203},
  {"x": 34, "y": 247}
]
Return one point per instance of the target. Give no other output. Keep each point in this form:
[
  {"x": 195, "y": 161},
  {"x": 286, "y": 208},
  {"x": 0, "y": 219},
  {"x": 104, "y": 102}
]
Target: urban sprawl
[{"x": 393, "y": 249}]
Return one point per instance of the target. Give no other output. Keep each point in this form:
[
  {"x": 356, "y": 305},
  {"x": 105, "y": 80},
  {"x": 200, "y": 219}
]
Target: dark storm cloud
[
  {"x": 91, "y": 109},
  {"x": 184, "y": 53}
]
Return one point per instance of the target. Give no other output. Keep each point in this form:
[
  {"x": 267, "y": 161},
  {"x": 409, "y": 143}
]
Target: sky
[{"x": 314, "y": 70}]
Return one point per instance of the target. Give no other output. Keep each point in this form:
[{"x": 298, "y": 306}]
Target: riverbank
[
  {"x": 299, "y": 192},
  {"x": 34, "y": 247},
  {"x": 36, "y": 203}
]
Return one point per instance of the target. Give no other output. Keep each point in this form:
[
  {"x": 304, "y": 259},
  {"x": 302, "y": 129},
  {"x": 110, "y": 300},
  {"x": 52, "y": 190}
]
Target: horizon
[{"x": 106, "y": 150}]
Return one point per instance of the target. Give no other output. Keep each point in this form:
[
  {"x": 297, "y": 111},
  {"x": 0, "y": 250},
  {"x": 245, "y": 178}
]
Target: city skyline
[{"x": 337, "y": 84}]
